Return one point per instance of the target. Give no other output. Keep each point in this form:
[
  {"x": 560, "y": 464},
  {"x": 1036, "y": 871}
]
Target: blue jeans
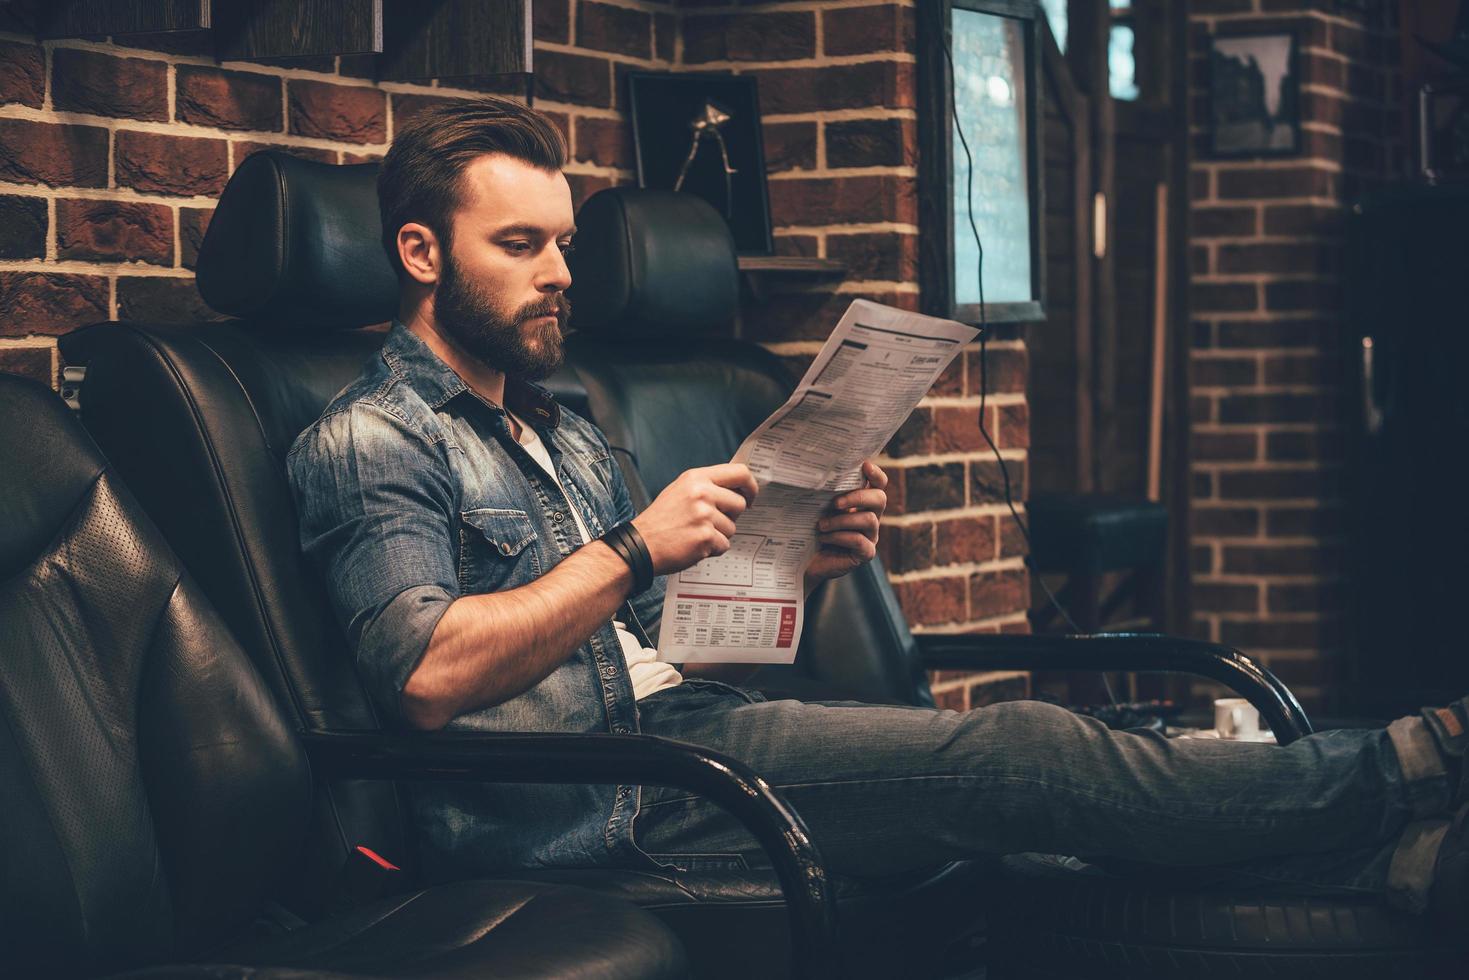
[{"x": 891, "y": 789}]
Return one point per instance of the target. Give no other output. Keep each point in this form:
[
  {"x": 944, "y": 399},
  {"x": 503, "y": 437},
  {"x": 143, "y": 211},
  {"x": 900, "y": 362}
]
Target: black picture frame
[
  {"x": 1241, "y": 122},
  {"x": 1443, "y": 131},
  {"x": 662, "y": 104},
  {"x": 937, "y": 220}
]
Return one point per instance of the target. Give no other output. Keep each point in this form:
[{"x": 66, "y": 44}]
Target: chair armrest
[
  {"x": 610, "y": 759},
  {"x": 1143, "y": 652}
]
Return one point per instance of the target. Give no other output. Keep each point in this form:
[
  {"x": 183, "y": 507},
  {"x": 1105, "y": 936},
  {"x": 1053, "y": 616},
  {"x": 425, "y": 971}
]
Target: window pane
[
  {"x": 990, "y": 98},
  {"x": 1056, "y": 17},
  {"x": 1121, "y": 64}
]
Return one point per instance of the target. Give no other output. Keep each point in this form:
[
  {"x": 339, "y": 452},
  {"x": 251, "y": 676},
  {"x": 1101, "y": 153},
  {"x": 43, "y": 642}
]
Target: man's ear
[{"x": 420, "y": 253}]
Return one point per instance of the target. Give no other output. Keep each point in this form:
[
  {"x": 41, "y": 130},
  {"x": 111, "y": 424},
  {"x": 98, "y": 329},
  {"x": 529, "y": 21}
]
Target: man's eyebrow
[{"x": 526, "y": 228}]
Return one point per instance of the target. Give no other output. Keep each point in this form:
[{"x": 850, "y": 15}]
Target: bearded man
[{"x": 482, "y": 556}]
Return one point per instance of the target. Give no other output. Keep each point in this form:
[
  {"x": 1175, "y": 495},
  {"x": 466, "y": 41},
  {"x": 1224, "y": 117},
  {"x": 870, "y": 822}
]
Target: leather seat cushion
[
  {"x": 1095, "y": 532},
  {"x": 479, "y": 929}
]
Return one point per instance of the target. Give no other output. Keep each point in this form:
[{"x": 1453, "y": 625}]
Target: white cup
[{"x": 1236, "y": 718}]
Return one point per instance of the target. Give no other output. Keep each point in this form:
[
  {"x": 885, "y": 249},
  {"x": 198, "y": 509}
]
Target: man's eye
[
  {"x": 518, "y": 246},
  {"x": 568, "y": 248}
]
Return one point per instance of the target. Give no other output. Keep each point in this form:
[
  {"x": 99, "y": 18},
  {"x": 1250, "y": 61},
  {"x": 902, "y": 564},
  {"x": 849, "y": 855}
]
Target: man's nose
[{"x": 553, "y": 276}]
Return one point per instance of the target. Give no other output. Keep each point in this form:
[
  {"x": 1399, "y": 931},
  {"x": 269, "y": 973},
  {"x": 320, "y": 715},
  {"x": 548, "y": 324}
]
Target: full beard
[{"x": 510, "y": 344}]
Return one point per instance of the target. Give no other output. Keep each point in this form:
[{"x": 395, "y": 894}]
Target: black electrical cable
[{"x": 984, "y": 360}]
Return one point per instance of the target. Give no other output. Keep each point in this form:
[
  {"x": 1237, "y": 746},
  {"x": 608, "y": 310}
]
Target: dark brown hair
[{"x": 422, "y": 175}]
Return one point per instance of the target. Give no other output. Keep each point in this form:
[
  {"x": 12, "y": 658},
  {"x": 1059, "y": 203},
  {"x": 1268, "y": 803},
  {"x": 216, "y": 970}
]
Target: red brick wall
[
  {"x": 1269, "y": 339},
  {"x": 112, "y": 154}
]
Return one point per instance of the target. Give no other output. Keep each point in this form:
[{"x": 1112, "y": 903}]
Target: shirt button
[
  {"x": 619, "y": 729},
  {"x": 558, "y": 517},
  {"x": 504, "y": 548}
]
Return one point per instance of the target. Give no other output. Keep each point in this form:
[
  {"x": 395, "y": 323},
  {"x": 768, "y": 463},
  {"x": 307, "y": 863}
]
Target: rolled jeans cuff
[
  {"x": 1425, "y": 777},
  {"x": 1410, "y": 875}
]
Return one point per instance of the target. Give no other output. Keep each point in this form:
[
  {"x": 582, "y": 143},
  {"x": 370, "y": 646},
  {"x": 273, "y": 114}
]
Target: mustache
[{"x": 558, "y": 306}]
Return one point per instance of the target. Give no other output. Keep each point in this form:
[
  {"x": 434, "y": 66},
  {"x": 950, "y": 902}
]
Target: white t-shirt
[{"x": 647, "y": 673}]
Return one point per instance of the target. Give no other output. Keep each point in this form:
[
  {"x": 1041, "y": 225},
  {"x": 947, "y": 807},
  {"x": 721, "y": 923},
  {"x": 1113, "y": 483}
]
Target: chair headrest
[
  {"x": 297, "y": 243},
  {"x": 50, "y": 464},
  {"x": 652, "y": 264}
]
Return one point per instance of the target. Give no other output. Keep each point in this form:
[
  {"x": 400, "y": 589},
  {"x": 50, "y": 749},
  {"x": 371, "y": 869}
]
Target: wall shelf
[{"x": 760, "y": 270}]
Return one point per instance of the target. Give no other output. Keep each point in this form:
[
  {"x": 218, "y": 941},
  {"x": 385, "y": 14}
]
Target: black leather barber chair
[
  {"x": 152, "y": 793},
  {"x": 199, "y": 418}
]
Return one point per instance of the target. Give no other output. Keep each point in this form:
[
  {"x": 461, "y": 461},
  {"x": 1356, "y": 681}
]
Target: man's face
[{"x": 501, "y": 290}]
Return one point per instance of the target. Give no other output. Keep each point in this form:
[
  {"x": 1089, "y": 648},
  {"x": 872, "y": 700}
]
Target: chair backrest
[
  {"x": 654, "y": 295},
  {"x": 151, "y": 787}
]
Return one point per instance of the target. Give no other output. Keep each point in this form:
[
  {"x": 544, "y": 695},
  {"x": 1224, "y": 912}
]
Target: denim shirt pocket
[{"x": 496, "y": 550}]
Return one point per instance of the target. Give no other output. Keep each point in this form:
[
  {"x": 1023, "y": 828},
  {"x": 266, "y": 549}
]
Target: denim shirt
[{"x": 411, "y": 492}]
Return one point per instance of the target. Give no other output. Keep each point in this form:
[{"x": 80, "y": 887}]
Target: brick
[
  {"x": 914, "y": 437},
  {"x": 987, "y": 482},
  {"x": 1292, "y": 447},
  {"x": 950, "y": 381},
  {"x": 1235, "y": 222},
  {"x": 1276, "y": 333},
  {"x": 1201, "y": 562},
  {"x": 1278, "y": 258},
  {"x": 1322, "y": 71},
  {"x": 1303, "y": 295},
  {"x": 352, "y": 113},
  {"x": 802, "y": 245},
  {"x": 45, "y": 153},
  {"x": 29, "y": 362},
  {"x": 887, "y": 84},
  {"x": 161, "y": 299},
  {"x": 184, "y": 165},
  {"x": 574, "y": 78},
  {"x": 998, "y": 593},
  {"x": 871, "y": 143},
  {"x": 1224, "y": 522},
  {"x": 1304, "y": 597},
  {"x": 843, "y": 200},
  {"x": 1225, "y": 597},
  {"x": 228, "y": 99},
  {"x": 950, "y": 700},
  {"x": 1223, "y": 297},
  {"x": 114, "y": 231},
  {"x": 584, "y": 186},
  {"x": 49, "y": 302},
  {"x": 193, "y": 223},
  {"x": 1315, "y": 519},
  {"x": 887, "y": 255},
  {"x": 863, "y": 30},
  {"x": 1223, "y": 372},
  {"x": 993, "y": 690},
  {"x": 1305, "y": 369},
  {"x": 1224, "y": 447},
  {"x": 966, "y": 539},
  {"x": 406, "y": 106},
  {"x": 665, "y": 30},
  {"x": 939, "y": 486},
  {"x": 1276, "y": 634},
  {"x": 1256, "y": 409},
  {"x": 764, "y": 36},
  {"x": 244, "y": 149},
  {"x": 605, "y": 142},
  {"x": 22, "y": 74},
  {"x": 1277, "y": 484},
  {"x": 790, "y": 146},
  {"x": 603, "y": 27},
  {"x": 1012, "y": 429},
  {"x": 932, "y": 601},
  {"x": 1006, "y": 370},
  {"x": 906, "y": 547},
  {"x": 1267, "y": 182},
  {"x": 551, "y": 21},
  {"x": 1201, "y": 485},
  {"x": 956, "y": 429},
  {"x": 1291, "y": 559},
  {"x": 87, "y": 81},
  {"x": 1202, "y": 408},
  {"x": 1012, "y": 541},
  {"x": 23, "y": 225}
]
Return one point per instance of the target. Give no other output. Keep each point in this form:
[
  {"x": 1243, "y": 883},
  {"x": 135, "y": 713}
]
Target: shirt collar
[{"x": 437, "y": 383}]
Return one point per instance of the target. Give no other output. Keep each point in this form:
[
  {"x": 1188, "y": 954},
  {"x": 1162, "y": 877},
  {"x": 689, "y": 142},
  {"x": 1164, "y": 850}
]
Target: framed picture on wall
[
  {"x": 700, "y": 134},
  {"x": 1254, "y": 94},
  {"x": 980, "y": 202}
]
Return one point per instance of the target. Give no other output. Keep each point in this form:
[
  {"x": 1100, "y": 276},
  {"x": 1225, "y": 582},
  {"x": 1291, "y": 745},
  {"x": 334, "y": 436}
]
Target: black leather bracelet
[{"x": 628, "y": 543}]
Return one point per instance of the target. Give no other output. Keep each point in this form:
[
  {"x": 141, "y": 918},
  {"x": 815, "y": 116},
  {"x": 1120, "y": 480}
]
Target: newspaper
[{"x": 748, "y": 604}]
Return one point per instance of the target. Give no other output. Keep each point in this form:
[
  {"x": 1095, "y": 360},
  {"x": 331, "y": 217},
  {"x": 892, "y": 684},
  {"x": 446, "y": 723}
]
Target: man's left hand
[{"x": 848, "y": 534}]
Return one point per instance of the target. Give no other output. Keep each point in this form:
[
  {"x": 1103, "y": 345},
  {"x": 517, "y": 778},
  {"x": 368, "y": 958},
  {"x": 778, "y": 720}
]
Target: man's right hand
[{"x": 694, "y": 516}]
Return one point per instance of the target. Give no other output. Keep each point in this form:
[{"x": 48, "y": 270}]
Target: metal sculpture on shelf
[{"x": 708, "y": 124}]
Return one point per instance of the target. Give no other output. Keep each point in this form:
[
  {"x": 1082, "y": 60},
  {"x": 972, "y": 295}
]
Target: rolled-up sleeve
[{"x": 376, "y": 505}]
